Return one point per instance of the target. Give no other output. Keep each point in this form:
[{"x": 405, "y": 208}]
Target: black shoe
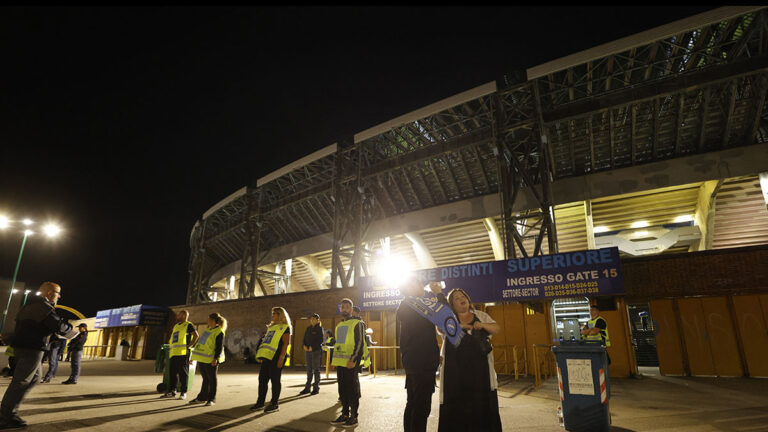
[
  {"x": 69, "y": 382},
  {"x": 351, "y": 422},
  {"x": 257, "y": 406},
  {"x": 272, "y": 408},
  {"x": 341, "y": 420},
  {"x": 315, "y": 391},
  {"x": 45, "y": 380},
  {"x": 303, "y": 392},
  {"x": 12, "y": 423}
]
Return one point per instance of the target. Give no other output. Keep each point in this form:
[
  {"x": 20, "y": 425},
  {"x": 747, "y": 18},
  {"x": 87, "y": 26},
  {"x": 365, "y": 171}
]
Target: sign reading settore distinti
[{"x": 582, "y": 273}]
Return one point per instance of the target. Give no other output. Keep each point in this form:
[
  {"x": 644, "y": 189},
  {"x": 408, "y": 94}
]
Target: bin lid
[{"x": 578, "y": 348}]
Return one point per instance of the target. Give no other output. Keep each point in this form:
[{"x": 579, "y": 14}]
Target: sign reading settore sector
[{"x": 582, "y": 273}]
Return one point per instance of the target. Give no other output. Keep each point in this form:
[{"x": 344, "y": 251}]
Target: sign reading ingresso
[{"x": 582, "y": 273}]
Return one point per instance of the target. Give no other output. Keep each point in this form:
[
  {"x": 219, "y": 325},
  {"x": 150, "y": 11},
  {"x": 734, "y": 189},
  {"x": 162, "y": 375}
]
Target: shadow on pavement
[
  {"x": 218, "y": 420},
  {"x": 91, "y": 422},
  {"x": 70, "y": 398},
  {"x": 91, "y": 406},
  {"x": 325, "y": 416}
]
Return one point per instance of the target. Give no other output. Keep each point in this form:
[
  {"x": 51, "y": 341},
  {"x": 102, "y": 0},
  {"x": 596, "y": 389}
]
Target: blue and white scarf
[{"x": 438, "y": 314}]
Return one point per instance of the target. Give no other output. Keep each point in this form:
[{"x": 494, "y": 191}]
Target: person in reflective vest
[
  {"x": 366, "y": 352},
  {"x": 209, "y": 353},
  {"x": 273, "y": 354},
  {"x": 597, "y": 329},
  {"x": 366, "y": 360},
  {"x": 348, "y": 352},
  {"x": 183, "y": 336},
  {"x": 11, "y": 360},
  {"x": 330, "y": 341}
]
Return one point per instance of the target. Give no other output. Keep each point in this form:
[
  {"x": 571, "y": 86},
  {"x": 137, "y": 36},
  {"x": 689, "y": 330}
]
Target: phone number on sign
[{"x": 580, "y": 288}]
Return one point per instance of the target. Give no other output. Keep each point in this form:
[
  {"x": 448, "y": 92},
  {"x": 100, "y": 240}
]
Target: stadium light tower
[{"x": 51, "y": 230}]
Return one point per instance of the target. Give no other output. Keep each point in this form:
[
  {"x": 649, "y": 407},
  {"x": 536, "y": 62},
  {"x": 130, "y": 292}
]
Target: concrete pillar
[
  {"x": 423, "y": 255},
  {"x": 497, "y": 244}
]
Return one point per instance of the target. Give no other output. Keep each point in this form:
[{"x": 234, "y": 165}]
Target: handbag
[{"x": 483, "y": 341}]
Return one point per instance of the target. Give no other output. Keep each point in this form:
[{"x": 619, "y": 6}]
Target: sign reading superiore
[{"x": 582, "y": 273}]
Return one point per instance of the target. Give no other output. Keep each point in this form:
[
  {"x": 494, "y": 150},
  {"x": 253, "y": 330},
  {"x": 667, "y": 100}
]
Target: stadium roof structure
[{"x": 602, "y": 122}]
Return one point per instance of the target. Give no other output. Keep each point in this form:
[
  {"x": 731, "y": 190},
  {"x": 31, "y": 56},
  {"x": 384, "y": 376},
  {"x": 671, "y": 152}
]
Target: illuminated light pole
[{"x": 50, "y": 229}]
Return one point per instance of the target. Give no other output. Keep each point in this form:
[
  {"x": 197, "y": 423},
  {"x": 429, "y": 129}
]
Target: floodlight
[
  {"x": 639, "y": 224},
  {"x": 51, "y": 230}
]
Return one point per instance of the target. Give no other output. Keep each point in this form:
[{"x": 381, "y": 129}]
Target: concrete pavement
[{"x": 120, "y": 396}]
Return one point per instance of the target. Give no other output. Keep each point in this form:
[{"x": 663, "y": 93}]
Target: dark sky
[{"x": 126, "y": 124}]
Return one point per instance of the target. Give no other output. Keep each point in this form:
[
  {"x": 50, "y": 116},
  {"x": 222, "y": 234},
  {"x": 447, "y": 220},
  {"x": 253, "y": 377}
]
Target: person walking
[
  {"x": 209, "y": 354},
  {"x": 348, "y": 352},
  {"x": 35, "y": 323},
  {"x": 56, "y": 346},
  {"x": 75, "y": 348},
  {"x": 273, "y": 355},
  {"x": 419, "y": 349},
  {"x": 183, "y": 336},
  {"x": 313, "y": 344}
]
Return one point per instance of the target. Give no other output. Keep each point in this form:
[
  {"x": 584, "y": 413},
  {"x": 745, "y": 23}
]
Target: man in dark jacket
[
  {"x": 313, "y": 347},
  {"x": 75, "y": 347},
  {"x": 421, "y": 356},
  {"x": 35, "y": 323},
  {"x": 55, "y": 347}
]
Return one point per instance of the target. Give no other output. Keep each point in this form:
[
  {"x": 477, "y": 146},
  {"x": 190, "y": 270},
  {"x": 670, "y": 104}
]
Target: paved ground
[{"x": 120, "y": 396}]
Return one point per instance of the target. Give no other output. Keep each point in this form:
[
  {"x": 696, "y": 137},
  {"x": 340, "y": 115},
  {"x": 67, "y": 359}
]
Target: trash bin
[
  {"x": 163, "y": 364},
  {"x": 582, "y": 375}
]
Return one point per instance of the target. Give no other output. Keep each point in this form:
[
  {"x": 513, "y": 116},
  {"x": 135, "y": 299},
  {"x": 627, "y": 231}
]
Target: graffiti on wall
[{"x": 238, "y": 340}]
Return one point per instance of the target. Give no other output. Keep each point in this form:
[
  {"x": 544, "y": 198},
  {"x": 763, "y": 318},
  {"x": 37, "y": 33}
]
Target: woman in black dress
[{"x": 468, "y": 399}]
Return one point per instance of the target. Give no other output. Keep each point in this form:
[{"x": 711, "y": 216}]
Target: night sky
[{"x": 126, "y": 124}]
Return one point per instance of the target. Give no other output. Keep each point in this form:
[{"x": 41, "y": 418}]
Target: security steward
[
  {"x": 183, "y": 337},
  {"x": 273, "y": 355},
  {"x": 209, "y": 354},
  {"x": 349, "y": 350},
  {"x": 597, "y": 329}
]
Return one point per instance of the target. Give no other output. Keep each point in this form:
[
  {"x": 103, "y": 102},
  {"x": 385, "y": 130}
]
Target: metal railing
[
  {"x": 543, "y": 361},
  {"x": 518, "y": 363},
  {"x": 373, "y": 349}
]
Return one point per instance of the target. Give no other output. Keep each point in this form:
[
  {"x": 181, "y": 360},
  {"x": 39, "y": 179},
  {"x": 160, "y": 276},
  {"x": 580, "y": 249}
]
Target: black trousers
[
  {"x": 210, "y": 381},
  {"x": 349, "y": 389},
  {"x": 179, "y": 371},
  {"x": 420, "y": 387},
  {"x": 269, "y": 372}
]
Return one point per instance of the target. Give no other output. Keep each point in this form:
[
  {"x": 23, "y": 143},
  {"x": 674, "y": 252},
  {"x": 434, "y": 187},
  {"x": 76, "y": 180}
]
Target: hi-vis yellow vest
[
  {"x": 599, "y": 336},
  {"x": 271, "y": 340},
  {"x": 205, "y": 347},
  {"x": 345, "y": 343},
  {"x": 178, "y": 341},
  {"x": 9, "y": 351}
]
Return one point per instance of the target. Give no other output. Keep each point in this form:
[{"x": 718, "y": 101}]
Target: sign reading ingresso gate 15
[{"x": 582, "y": 273}]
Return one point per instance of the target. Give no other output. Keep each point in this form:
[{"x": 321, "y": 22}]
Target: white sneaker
[{"x": 182, "y": 396}]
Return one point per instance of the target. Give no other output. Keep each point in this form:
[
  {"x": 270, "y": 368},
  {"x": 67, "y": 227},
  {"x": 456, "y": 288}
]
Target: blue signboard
[
  {"x": 132, "y": 316},
  {"x": 582, "y": 273}
]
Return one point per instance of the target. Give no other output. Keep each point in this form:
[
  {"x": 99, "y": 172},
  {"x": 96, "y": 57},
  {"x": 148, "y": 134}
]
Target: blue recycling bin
[{"x": 584, "y": 384}]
